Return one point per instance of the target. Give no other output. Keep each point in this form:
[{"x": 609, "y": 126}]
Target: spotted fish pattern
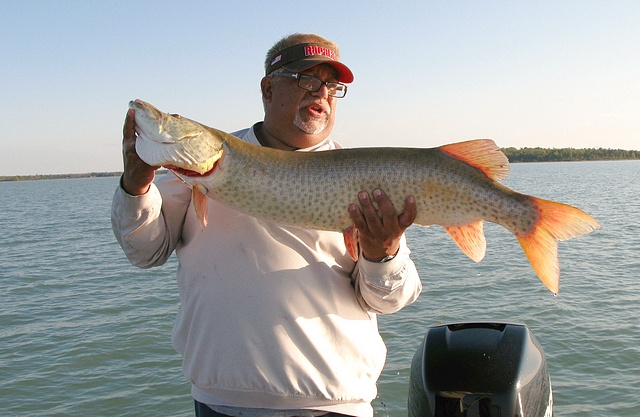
[{"x": 455, "y": 186}]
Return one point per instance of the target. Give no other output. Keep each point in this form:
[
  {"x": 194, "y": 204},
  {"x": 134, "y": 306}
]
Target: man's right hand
[{"x": 138, "y": 175}]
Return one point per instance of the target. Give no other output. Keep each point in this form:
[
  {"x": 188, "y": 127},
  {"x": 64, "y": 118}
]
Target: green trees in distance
[
  {"x": 567, "y": 154},
  {"x": 514, "y": 155},
  {"x": 66, "y": 176}
]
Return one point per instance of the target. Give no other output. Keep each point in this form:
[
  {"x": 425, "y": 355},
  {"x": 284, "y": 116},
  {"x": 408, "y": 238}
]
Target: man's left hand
[{"x": 379, "y": 234}]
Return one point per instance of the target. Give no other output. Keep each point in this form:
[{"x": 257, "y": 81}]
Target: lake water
[{"x": 82, "y": 332}]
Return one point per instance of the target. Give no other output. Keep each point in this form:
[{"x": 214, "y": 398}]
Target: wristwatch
[{"x": 381, "y": 261}]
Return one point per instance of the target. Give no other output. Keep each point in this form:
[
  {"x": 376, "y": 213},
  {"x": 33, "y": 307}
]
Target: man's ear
[{"x": 266, "y": 86}]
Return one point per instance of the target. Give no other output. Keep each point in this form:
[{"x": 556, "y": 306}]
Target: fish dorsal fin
[
  {"x": 470, "y": 238},
  {"x": 482, "y": 154}
]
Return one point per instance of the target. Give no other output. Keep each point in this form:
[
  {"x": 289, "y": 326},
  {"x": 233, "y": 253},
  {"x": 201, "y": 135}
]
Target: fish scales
[
  {"x": 313, "y": 190},
  {"x": 455, "y": 186},
  {"x": 303, "y": 190}
]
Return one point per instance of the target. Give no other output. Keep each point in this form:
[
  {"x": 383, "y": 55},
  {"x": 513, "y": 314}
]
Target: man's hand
[
  {"x": 138, "y": 175},
  {"x": 379, "y": 235}
]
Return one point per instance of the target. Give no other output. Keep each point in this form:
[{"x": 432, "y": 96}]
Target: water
[{"x": 82, "y": 332}]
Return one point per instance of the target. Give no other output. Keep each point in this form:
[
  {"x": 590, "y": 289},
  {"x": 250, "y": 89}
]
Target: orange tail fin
[{"x": 556, "y": 222}]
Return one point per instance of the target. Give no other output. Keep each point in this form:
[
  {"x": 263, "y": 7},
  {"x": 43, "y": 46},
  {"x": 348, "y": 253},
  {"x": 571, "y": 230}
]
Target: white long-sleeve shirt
[{"x": 271, "y": 316}]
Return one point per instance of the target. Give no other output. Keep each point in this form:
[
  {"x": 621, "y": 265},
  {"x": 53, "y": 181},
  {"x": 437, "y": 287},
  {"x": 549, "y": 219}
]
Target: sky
[{"x": 523, "y": 73}]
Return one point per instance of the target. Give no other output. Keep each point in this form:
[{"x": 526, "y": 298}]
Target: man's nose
[{"x": 322, "y": 92}]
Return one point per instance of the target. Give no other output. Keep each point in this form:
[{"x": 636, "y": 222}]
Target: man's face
[{"x": 300, "y": 118}]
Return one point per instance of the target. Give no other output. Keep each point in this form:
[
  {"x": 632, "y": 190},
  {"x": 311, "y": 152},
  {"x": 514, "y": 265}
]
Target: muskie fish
[{"x": 455, "y": 186}]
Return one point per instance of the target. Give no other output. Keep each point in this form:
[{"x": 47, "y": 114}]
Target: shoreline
[
  {"x": 38, "y": 177},
  {"x": 514, "y": 155}
]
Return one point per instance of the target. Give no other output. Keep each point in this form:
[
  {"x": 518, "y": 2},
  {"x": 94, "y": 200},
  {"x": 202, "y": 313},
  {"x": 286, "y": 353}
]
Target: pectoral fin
[
  {"x": 200, "y": 203},
  {"x": 350, "y": 235},
  {"x": 470, "y": 238}
]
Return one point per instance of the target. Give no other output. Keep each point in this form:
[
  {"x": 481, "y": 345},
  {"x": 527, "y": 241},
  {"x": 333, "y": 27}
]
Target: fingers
[
  {"x": 137, "y": 175},
  {"x": 379, "y": 225},
  {"x": 375, "y": 221},
  {"x": 129, "y": 137},
  {"x": 408, "y": 216},
  {"x": 128, "y": 130},
  {"x": 385, "y": 215},
  {"x": 388, "y": 213}
]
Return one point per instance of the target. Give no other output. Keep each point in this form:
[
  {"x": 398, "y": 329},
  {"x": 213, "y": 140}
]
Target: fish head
[
  {"x": 163, "y": 127},
  {"x": 175, "y": 142}
]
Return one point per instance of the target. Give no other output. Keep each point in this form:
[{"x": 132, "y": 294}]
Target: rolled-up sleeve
[{"x": 385, "y": 288}]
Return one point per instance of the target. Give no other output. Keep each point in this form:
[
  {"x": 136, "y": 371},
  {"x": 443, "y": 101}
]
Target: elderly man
[{"x": 274, "y": 320}]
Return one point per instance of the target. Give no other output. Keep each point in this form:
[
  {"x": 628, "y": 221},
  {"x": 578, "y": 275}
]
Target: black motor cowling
[{"x": 480, "y": 370}]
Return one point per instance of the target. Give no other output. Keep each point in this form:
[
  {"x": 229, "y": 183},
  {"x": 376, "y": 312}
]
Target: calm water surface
[{"x": 82, "y": 332}]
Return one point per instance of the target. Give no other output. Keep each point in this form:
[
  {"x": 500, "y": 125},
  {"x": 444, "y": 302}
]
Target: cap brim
[{"x": 344, "y": 73}]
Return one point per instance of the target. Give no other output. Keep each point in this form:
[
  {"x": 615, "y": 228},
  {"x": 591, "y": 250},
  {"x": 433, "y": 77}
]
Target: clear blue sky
[{"x": 524, "y": 73}]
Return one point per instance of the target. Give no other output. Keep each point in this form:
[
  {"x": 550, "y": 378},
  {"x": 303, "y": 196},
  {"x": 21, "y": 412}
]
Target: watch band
[{"x": 381, "y": 261}]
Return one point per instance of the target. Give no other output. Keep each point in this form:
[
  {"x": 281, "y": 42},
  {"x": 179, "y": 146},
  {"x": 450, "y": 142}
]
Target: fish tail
[{"x": 556, "y": 221}]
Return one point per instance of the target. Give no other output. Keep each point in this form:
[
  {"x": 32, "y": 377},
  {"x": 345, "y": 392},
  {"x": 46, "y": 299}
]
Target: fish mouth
[
  {"x": 189, "y": 173},
  {"x": 196, "y": 170},
  {"x": 176, "y": 157},
  {"x": 146, "y": 107}
]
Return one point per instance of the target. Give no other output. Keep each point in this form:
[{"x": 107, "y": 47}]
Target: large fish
[{"x": 455, "y": 186}]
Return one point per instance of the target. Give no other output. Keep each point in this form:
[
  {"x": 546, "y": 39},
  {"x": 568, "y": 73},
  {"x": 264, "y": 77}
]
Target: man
[{"x": 274, "y": 320}]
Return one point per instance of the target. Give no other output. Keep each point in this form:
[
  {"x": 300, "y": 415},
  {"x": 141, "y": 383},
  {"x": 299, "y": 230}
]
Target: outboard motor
[{"x": 480, "y": 370}]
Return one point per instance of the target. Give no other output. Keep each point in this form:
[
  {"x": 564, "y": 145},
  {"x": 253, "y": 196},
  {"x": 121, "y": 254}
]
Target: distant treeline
[
  {"x": 65, "y": 176},
  {"x": 514, "y": 155},
  {"x": 58, "y": 176},
  {"x": 567, "y": 154}
]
